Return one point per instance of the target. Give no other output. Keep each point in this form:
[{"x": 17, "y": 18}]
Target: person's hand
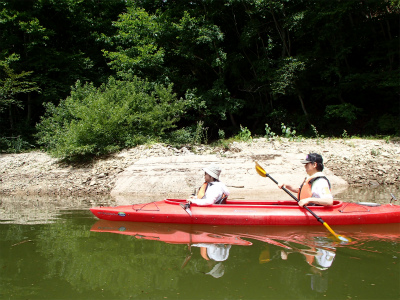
[
  {"x": 288, "y": 187},
  {"x": 303, "y": 202}
]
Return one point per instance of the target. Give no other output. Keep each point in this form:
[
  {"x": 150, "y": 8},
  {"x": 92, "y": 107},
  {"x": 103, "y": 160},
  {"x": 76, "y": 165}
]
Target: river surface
[{"x": 56, "y": 249}]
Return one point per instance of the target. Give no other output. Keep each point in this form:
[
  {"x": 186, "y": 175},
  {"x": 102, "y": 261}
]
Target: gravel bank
[{"x": 352, "y": 161}]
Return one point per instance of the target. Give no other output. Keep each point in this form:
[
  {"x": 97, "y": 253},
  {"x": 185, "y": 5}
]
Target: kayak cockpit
[{"x": 257, "y": 203}]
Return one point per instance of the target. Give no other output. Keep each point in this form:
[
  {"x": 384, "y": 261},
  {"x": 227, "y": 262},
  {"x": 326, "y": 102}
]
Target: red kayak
[{"x": 251, "y": 212}]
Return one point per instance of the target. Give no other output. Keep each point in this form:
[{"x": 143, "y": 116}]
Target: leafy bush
[
  {"x": 14, "y": 144},
  {"x": 221, "y": 134},
  {"x": 193, "y": 135},
  {"x": 268, "y": 131},
  {"x": 345, "y": 111},
  {"x": 288, "y": 132},
  {"x": 101, "y": 120},
  {"x": 389, "y": 124},
  {"x": 244, "y": 134},
  {"x": 181, "y": 136}
]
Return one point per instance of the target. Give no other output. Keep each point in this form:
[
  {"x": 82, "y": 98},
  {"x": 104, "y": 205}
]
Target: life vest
[
  {"x": 202, "y": 192},
  {"x": 305, "y": 190}
]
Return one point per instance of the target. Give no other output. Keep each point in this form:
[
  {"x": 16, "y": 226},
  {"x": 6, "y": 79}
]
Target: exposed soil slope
[{"x": 161, "y": 169}]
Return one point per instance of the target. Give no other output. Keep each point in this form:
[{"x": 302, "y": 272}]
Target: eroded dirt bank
[{"x": 161, "y": 169}]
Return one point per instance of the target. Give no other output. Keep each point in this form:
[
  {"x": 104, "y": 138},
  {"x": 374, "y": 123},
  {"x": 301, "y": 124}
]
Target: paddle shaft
[{"x": 186, "y": 207}]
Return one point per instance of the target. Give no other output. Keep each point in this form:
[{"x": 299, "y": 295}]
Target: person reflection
[
  {"x": 214, "y": 254},
  {"x": 320, "y": 260}
]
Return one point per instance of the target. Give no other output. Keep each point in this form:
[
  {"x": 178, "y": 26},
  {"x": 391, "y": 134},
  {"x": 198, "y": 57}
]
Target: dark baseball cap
[{"x": 312, "y": 157}]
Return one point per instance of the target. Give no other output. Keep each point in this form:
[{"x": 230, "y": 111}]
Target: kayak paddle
[
  {"x": 263, "y": 173},
  {"x": 186, "y": 207}
]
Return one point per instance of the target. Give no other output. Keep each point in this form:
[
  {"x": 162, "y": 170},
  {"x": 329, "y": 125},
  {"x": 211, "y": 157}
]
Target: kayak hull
[{"x": 250, "y": 212}]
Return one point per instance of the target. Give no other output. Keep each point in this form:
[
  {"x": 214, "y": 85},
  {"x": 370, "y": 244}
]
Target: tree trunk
[
  {"x": 10, "y": 116},
  {"x": 29, "y": 110},
  {"x": 282, "y": 34},
  {"x": 303, "y": 107},
  {"x": 232, "y": 119}
]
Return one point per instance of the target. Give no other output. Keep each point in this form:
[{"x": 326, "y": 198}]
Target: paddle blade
[
  {"x": 344, "y": 239},
  {"x": 339, "y": 237},
  {"x": 260, "y": 170}
]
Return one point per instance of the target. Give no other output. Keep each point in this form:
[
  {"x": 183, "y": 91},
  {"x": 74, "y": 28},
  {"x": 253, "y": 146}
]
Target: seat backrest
[{"x": 222, "y": 200}]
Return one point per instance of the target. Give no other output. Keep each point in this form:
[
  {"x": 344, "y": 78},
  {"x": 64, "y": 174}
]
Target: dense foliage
[
  {"x": 116, "y": 115},
  {"x": 326, "y": 65}
]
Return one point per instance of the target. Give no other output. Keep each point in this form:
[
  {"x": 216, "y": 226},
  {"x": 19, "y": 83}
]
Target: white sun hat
[
  {"x": 218, "y": 271},
  {"x": 213, "y": 171}
]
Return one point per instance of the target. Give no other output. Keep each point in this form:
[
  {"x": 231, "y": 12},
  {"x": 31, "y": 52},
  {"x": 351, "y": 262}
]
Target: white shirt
[
  {"x": 320, "y": 187},
  {"x": 217, "y": 252},
  {"x": 214, "y": 192},
  {"x": 324, "y": 258}
]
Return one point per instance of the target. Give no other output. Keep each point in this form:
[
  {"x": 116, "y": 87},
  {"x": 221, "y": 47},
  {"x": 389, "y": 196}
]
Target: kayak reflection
[
  {"x": 214, "y": 243},
  {"x": 242, "y": 235}
]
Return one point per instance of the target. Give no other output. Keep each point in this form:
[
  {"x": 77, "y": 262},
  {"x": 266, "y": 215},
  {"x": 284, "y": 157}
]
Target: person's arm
[
  {"x": 289, "y": 187},
  {"x": 202, "y": 202},
  {"x": 320, "y": 201}
]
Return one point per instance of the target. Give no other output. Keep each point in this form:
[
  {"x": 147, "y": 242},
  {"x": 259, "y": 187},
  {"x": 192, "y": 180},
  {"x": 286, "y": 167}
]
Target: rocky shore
[{"x": 162, "y": 169}]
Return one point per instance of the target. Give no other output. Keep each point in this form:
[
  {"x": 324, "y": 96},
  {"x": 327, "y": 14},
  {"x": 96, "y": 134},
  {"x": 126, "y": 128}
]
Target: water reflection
[
  {"x": 51, "y": 250},
  {"x": 282, "y": 236},
  {"x": 214, "y": 254},
  {"x": 78, "y": 257},
  {"x": 320, "y": 259},
  {"x": 15, "y": 209},
  {"x": 285, "y": 243}
]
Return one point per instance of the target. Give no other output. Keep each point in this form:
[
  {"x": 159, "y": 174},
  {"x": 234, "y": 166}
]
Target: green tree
[
  {"x": 59, "y": 41},
  {"x": 177, "y": 43},
  {"x": 352, "y": 60},
  {"x": 11, "y": 86},
  {"x": 247, "y": 62}
]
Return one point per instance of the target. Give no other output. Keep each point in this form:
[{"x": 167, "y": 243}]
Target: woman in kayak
[
  {"x": 212, "y": 191},
  {"x": 316, "y": 188}
]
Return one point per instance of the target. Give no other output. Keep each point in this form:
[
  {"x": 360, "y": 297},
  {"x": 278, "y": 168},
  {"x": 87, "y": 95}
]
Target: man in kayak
[
  {"x": 316, "y": 188},
  {"x": 212, "y": 190}
]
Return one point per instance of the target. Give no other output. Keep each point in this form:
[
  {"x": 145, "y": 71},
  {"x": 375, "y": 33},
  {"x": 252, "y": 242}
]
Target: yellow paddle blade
[
  {"x": 339, "y": 237},
  {"x": 260, "y": 170},
  {"x": 264, "y": 256}
]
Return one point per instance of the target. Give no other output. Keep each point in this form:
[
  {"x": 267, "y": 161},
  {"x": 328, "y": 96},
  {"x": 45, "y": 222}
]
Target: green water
[{"x": 58, "y": 256}]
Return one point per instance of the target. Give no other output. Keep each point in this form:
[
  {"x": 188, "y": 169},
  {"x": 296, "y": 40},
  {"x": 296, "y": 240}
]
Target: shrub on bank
[{"x": 118, "y": 114}]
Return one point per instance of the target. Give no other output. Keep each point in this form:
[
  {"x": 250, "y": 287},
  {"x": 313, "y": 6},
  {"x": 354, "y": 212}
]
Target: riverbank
[{"x": 162, "y": 169}]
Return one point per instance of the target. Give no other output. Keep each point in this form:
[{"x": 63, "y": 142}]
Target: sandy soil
[{"x": 170, "y": 172}]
